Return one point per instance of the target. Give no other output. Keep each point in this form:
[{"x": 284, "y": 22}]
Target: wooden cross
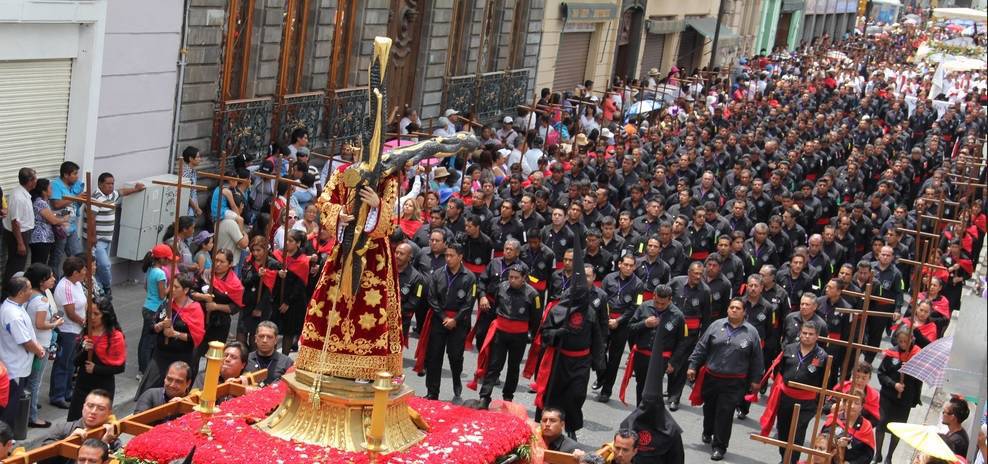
[
  {"x": 822, "y": 393},
  {"x": 278, "y": 179},
  {"x": 789, "y": 444},
  {"x": 87, "y": 199},
  {"x": 221, "y": 178},
  {"x": 855, "y": 343},
  {"x": 179, "y": 186}
]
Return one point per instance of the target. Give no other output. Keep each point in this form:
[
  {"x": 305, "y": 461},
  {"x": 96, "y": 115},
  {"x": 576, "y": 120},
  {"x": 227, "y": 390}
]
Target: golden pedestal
[{"x": 341, "y": 417}]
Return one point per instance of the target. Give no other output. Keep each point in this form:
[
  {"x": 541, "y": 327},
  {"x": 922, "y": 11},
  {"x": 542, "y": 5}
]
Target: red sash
[
  {"x": 505, "y": 325},
  {"x": 871, "y": 397},
  {"x": 475, "y": 268},
  {"x": 468, "y": 343},
  {"x": 536, "y": 348},
  {"x": 865, "y": 434},
  {"x": 559, "y": 265},
  {"x": 692, "y": 323},
  {"x": 423, "y": 346},
  {"x": 699, "y": 255},
  {"x": 696, "y": 396},
  {"x": 647, "y": 295},
  {"x": 545, "y": 370},
  {"x": 629, "y": 369}
]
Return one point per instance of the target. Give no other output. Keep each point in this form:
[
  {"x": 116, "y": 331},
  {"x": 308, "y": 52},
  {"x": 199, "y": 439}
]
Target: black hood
[{"x": 651, "y": 414}]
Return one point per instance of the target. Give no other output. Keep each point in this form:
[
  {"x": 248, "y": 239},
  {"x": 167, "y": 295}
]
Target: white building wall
[{"x": 137, "y": 101}]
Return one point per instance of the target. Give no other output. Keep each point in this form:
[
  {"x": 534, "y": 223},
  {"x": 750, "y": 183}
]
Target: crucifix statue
[{"x": 352, "y": 326}]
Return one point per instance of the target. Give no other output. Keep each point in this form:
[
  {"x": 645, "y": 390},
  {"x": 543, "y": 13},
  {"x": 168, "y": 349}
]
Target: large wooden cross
[
  {"x": 221, "y": 177},
  {"x": 789, "y": 444},
  {"x": 855, "y": 342},
  {"x": 87, "y": 200},
  {"x": 179, "y": 185}
]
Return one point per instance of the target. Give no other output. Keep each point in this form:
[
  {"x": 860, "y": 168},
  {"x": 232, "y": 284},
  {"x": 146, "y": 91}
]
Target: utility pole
[{"x": 713, "y": 49}]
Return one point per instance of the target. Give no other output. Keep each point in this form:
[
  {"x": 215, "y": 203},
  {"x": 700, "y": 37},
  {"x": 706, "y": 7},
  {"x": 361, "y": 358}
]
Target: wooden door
[{"x": 405, "y": 28}]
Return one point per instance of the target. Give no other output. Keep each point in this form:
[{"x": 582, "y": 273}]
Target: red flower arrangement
[{"x": 457, "y": 435}]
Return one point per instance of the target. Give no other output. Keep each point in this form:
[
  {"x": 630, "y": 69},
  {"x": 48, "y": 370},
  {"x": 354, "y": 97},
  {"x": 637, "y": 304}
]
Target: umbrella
[
  {"x": 644, "y": 106},
  {"x": 837, "y": 55},
  {"x": 924, "y": 439},
  {"x": 929, "y": 363}
]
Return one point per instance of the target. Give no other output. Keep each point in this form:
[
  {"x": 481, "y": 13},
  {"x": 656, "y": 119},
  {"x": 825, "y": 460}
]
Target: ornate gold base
[{"x": 341, "y": 417}]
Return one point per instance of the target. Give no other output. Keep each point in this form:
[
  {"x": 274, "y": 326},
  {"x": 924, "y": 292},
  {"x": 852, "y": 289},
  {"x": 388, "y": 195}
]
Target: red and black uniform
[
  {"x": 258, "y": 294},
  {"x": 517, "y": 312},
  {"x": 761, "y": 315},
  {"x": 794, "y": 366},
  {"x": 414, "y": 294},
  {"x": 870, "y": 410},
  {"x": 450, "y": 295},
  {"x": 624, "y": 296},
  {"x": 862, "y": 447},
  {"x": 652, "y": 274},
  {"x": 694, "y": 302},
  {"x": 540, "y": 262},
  {"x": 670, "y": 327},
  {"x": 924, "y": 333},
  {"x": 488, "y": 282},
  {"x": 838, "y": 327}
]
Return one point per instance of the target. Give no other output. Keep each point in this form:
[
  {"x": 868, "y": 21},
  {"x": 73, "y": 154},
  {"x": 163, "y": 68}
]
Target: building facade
[{"x": 833, "y": 18}]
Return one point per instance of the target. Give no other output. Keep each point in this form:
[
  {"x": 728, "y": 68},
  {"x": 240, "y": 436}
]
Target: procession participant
[
  {"x": 807, "y": 312},
  {"x": 860, "y": 382},
  {"x": 540, "y": 260},
  {"x": 671, "y": 251},
  {"x": 291, "y": 292},
  {"x": 556, "y": 235},
  {"x": 105, "y": 339},
  {"x": 561, "y": 278},
  {"x": 266, "y": 356},
  {"x": 692, "y": 297},
  {"x": 452, "y": 293},
  {"x": 96, "y": 411},
  {"x": 624, "y": 291},
  {"x": 432, "y": 256},
  {"x": 517, "y": 315},
  {"x": 221, "y": 298},
  {"x": 729, "y": 360},
  {"x": 178, "y": 336},
  {"x": 258, "y": 279},
  {"x": 488, "y": 282},
  {"x": 801, "y": 362},
  {"x": 650, "y": 321},
  {"x": 759, "y": 313},
  {"x": 891, "y": 285},
  {"x": 178, "y": 379},
  {"x": 792, "y": 276},
  {"x": 661, "y": 437},
  {"x": 731, "y": 266},
  {"x": 720, "y": 287},
  {"x": 601, "y": 259},
  {"x": 573, "y": 345},
  {"x": 853, "y": 432},
  {"x": 650, "y": 269},
  {"x": 899, "y": 392},
  {"x": 413, "y": 290},
  {"x": 551, "y": 427},
  {"x": 838, "y": 323},
  {"x": 924, "y": 328}
]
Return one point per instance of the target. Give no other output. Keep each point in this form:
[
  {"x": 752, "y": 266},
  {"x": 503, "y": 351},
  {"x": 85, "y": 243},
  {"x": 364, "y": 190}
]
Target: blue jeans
[
  {"x": 32, "y": 385},
  {"x": 101, "y": 253},
  {"x": 70, "y": 246},
  {"x": 62, "y": 370}
]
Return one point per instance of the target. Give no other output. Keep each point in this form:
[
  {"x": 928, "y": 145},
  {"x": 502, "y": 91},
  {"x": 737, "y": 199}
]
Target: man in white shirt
[
  {"x": 19, "y": 223},
  {"x": 18, "y": 346},
  {"x": 105, "y": 219},
  {"x": 507, "y": 133},
  {"x": 443, "y": 130},
  {"x": 530, "y": 160}
]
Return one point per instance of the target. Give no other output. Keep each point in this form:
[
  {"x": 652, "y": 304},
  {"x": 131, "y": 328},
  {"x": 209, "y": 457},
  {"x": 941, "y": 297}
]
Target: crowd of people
[{"x": 707, "y": 243}]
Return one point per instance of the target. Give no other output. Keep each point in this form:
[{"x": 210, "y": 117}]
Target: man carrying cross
[{"x": 801, "y": 362}]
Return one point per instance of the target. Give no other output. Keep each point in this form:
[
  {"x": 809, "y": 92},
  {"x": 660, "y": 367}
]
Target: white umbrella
[
  {"x": 644, "y": 106},
  {"x": 837, "y": 55}
]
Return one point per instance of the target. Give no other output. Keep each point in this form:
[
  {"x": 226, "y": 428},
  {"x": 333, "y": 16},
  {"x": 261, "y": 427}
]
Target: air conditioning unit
[{"x": 145, "y": 215}]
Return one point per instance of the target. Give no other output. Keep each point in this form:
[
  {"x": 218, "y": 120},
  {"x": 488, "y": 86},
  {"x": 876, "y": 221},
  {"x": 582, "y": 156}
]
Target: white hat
[
  {"x": 504, "y": 152},
  {"x": 451, "y": 112},
  {"x": 594, "y": 98},
  {"x": 508, "y": 120},
  {"x": 606, "y": 133}
]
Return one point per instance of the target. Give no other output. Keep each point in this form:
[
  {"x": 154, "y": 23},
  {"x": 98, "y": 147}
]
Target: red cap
[{"x": 162, "y": 251}]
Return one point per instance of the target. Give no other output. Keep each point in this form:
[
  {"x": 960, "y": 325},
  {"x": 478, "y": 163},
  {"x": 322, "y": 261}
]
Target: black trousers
[
  {"x": 15, "y": 262},
  {"x": 720, "y": 398},
  {"x": 677, "y": 380},
  {"x": 640, "y": 368},
  {"x": 875, "y": 331},
  {"x": 406, "y": 324},
  {"x": 504, "y": 347},
  {"x": 807, "y": 409},
  {"x": 450, "y": 342},
  {"x": 617, "y": 341},
  {"x": 567, "y": 389}
]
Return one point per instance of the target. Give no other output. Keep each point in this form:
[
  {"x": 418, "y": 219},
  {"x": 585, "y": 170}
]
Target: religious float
[{"x": 342, "y": 403}]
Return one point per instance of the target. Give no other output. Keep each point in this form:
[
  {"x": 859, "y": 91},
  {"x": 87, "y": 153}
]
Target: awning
[
  {"x": 790, "y": 6},
  {"x": 960, "y": 13},
  {"x": 664, "y": 26},
  {"x": 707, "y": 26}
]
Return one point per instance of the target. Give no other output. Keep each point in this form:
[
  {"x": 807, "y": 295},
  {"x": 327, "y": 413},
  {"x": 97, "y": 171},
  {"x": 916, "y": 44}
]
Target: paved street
[{"x": 600, "y": 419}]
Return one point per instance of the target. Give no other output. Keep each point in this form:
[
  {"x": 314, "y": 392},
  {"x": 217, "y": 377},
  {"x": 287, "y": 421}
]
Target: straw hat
[
  {"x": 580, "y": 140},
  {"x": 653, "y": 72},
  {"x": 440, "y": 173}
]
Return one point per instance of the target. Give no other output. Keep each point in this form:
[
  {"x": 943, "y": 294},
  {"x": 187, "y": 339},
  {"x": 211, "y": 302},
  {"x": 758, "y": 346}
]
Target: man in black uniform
[
  {"x": 494, "y": 274},
  {"x": 573, "y": 345},
  {"x": 726, "y": 362},
  {"x": 412, "y": 285},
  {"x": 802, "y": 362},
  {"x": 540, "y": 261},
  {"x": 517, "y": 316},
  {"x": 478, "y": 248},
  {"x": 657, "y": 317},
  {"x": 720, "y": 288},
  {"x": 838, "y": 323},
  {"x": 624, "y": 290},
  {"x": 452, "y": 293},
  {"x": 671, "y": 251},
  {"x": 890, "y": 285},
  {"x": 556, "y": 235},
  {"x": 650, "y": 269},
  {"x": 433, "y": 257},
  {"x": 807, "y": 312},
  {"x": 759, "y": 313},
  {"x": 692, "y": 297},
  {"x": 562, "y": 278}
]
